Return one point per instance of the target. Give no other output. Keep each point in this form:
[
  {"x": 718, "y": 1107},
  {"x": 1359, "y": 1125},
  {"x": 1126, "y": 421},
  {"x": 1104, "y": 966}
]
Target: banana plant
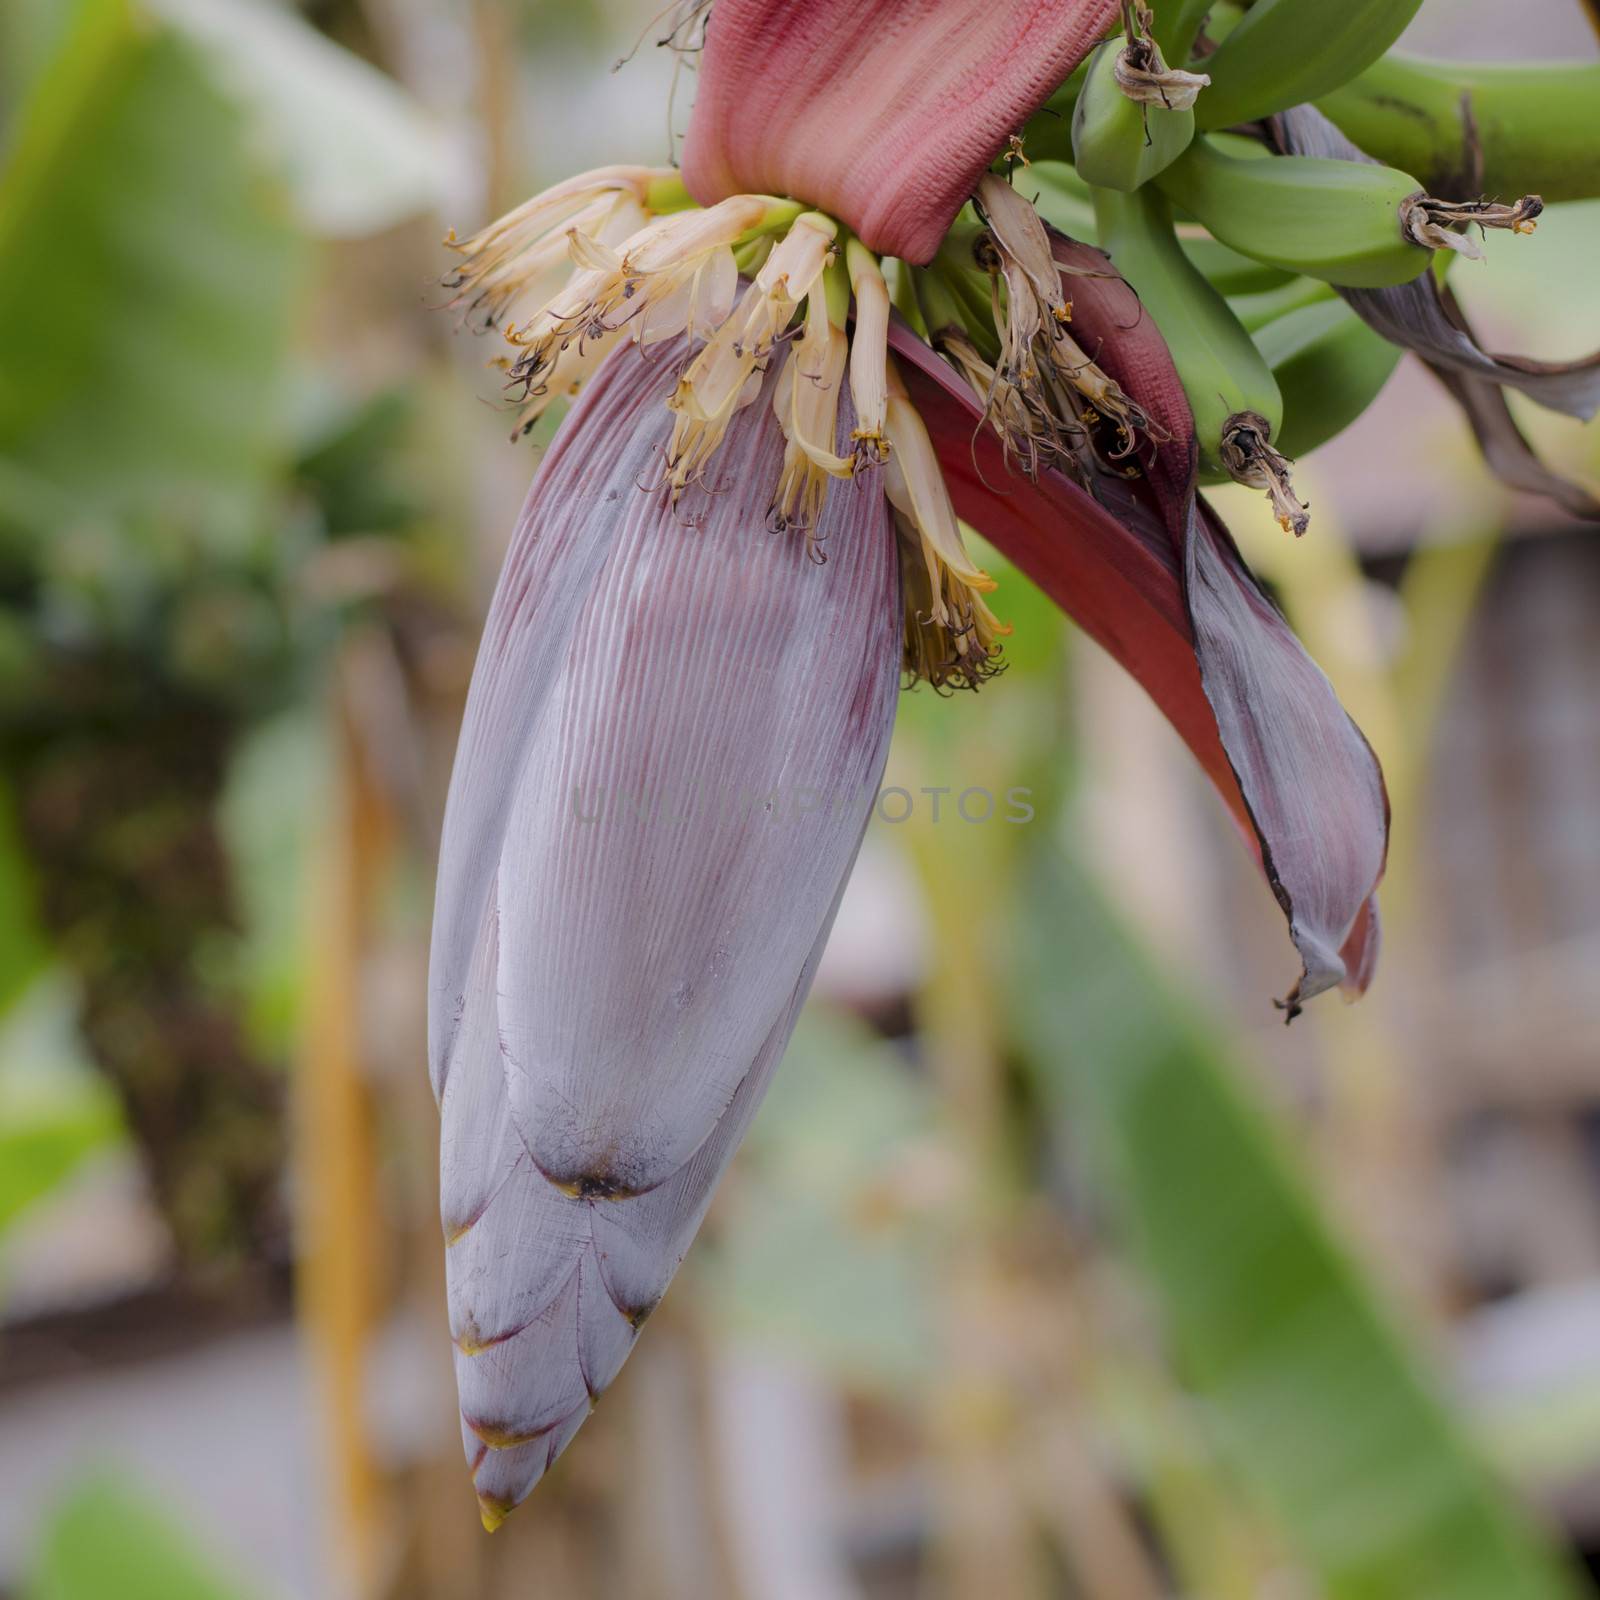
[{"x": 843, "y": 323}]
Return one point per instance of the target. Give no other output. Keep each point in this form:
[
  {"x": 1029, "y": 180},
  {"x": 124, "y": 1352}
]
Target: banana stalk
[
  {"x": 1060, "y": 196},
  {"x": 1230, "y": 272},
  {"x": 1472, "y": 128},
  {"x": 1255, "y": 311},
  {"x": 1177, "y": 26}
]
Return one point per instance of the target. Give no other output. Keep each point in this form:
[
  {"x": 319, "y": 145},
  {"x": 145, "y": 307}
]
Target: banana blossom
[{"x": 745, "y": 531}]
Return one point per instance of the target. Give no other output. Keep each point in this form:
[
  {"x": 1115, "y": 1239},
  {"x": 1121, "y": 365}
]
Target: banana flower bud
[{"x": 672, "y": 744}]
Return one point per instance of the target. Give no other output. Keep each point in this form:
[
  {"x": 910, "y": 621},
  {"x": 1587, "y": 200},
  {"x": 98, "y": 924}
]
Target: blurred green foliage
[
  {"x": 108, "y": 1540},
  {"x": 173, "y": 459},
  {"x": 22, "y": 949},
  {"x": 820, "y": 1255},
  {"x": 147, "y": 280},
  {"x": 1314, "y": 1400},
  {"x": 38, "y": 1151}
]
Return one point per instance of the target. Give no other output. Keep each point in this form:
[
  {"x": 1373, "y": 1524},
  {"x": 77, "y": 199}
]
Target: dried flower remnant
[
  {"x": 1141, "y": 72},
  {"x": 1248, "y": 455},
  {"x": 1443, "y": 224},
  {"x": 1042, "y": 365},
  {"x": 952, "y": 637}
]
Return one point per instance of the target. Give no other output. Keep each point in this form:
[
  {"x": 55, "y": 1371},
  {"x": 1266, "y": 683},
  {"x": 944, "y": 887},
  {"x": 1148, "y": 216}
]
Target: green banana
[
  {"x": 1329, "y": 366},
  {"x": 1285, "y": 52},
  {"x": 1047, "y": 134},
  {"x": 1065, "y": 201},
  {"x": 1231, "y": 273},
  {"x": 1223, "y": 373},
  {"x": 1255, "y": 311},
  {"x": 1469, "y": 128},
  {"x": 1230, "y": 388},
  {"x": 1336, "y": 220},
  {"x": 1133, "y": 116},
  {"x": 966, "y": 286}
]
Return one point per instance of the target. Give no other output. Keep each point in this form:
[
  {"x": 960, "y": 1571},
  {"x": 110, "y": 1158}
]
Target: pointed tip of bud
[{"x": 492, "y": 1513}]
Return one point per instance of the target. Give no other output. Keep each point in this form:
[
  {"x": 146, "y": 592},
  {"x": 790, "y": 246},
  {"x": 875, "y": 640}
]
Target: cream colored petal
[
  {"x": 685, "y": 235},
  {"x": 589, "y": 254},
  {"x": 715, "y": 291},
  {"x": 818, "y": 367},
  {"x": 915, "y": 485},
  {"x": 869, "y": 348}
]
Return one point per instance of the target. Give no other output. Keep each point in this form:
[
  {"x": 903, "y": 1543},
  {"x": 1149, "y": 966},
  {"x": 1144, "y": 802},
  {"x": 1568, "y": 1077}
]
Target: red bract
[
  {"x": 884, "y": 113},
  {"x": 1148, "y": 571}
]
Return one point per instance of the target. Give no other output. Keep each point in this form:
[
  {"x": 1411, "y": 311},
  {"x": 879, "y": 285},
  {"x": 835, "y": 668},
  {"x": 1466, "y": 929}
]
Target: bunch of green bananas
[{"x": 1259, "y": 266}]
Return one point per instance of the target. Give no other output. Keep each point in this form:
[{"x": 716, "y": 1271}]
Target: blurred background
[{"x": 1055, "y": 1265}]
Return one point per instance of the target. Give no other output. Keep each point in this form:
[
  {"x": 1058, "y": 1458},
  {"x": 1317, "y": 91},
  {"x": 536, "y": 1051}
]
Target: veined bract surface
[{"x": 672, "y": 744}]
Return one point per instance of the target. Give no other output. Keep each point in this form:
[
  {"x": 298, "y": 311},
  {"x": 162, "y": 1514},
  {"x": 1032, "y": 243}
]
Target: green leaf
[
  {"x": 107, "y": 1540},
  {"x": 30, "y": 33},
  {"x": 1316, "y": 1401},
  {"x": 41, "y": 1153},
  {"x": 147, "y": 281},
  {"x": 55, "y": 1109},
  {"x": 818, "y": 1254},
  {"x": 22, "y": 949}
]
